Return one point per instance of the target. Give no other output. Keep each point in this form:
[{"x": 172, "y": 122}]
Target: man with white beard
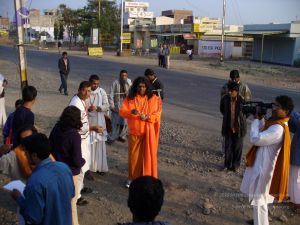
[
  {"x": 3, "y": 84},
  {"x": 98, "y": 105}
]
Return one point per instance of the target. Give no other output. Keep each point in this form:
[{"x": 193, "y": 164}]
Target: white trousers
[
  {"x": 2, "y": 112},
  {"x": 98, "y": 157},
  {"x": 260, "y": 215},
  {"x": 86, "y": 154}
]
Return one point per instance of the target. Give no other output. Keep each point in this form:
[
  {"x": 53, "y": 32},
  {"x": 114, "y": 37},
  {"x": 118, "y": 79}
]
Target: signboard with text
[
  {"x": 95, "y": 51},
  {"x": 213, "y": 48},
  {"x": 136, "y": 5}
]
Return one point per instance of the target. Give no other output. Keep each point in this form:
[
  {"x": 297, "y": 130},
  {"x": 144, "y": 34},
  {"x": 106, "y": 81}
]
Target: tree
[
  {"x": 61, "y": 31},
  {"x": 109, "y": 22},
  {"x": 70, "y": 21},
  {"x": 56, "y": 31}
]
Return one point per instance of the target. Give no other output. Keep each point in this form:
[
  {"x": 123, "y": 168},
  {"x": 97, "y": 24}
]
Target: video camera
[{"x": 251, "y": 107}]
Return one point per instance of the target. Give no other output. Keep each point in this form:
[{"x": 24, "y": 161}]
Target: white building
[{"x": 136, "y": 13}]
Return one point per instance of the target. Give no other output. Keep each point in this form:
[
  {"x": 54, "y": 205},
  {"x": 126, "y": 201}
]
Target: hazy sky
[{"x": 238, "y": 11}]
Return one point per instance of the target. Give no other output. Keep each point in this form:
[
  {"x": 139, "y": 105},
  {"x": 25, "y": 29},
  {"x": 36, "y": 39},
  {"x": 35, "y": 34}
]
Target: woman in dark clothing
[{"x": 66, "y": 147}]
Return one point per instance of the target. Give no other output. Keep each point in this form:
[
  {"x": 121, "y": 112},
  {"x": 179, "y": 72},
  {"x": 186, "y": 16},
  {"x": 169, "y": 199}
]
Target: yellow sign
[
  {"x": 175, "y": 50},
  {"x": 126, "y": 36},
  {"x": 95, "y": 51},
  {"x": 126, "y": 41},
  {"x": 196, "y": 28}
]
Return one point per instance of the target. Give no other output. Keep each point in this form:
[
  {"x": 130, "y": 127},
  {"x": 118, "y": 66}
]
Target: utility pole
[
  {"x": 99, "y": 14},
  {"x": 121, "y": 36},
  {"x": 223, "y": 27},
  {"x": 21, "y": 48}
]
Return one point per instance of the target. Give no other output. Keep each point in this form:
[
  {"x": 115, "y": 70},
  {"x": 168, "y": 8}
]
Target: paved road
[{"x": 189, "y": 97}]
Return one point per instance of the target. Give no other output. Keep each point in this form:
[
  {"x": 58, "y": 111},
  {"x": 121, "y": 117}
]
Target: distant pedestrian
[
  {"x": 244, "y": 90},
  {"x": 189, "y": 52},
  {"x": 64, "y": 70},
  {"x": 146, "y": 197},
  {"x": 59, "y": 46},
  {"x": 159, "y": 55},
  {"x": 157, "y": 85},
  {"x": 118, "y": 93},
  {"x": 3, "y": 83},
  {"x": 49, "y": 190},
  {"x": 166, "y": 56},
  {"x": 23, "y": 115}
]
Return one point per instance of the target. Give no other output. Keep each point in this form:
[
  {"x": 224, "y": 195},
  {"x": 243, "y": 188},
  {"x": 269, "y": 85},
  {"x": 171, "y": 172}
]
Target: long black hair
[
  {"x": 134, "y": 88},
  {"x": 70, "y": 118}
]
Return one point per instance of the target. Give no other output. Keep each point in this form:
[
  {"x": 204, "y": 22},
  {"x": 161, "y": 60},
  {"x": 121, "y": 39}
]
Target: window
[{"x": 237, "y": 44}]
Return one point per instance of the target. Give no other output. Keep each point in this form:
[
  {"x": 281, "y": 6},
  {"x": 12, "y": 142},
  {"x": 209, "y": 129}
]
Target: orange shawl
[
  {"x": 25, "y": 167},
  {"x": 280, "y": 179}
]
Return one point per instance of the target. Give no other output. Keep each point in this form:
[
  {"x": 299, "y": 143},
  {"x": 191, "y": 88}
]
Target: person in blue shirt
[
  {"x": 23, "y": 115},
  {"x": 49, "y": 190},
  {"x": 294, "y": 180},
  {"x": 146, "y": 197},
  {"x": 7, "y": 129}
]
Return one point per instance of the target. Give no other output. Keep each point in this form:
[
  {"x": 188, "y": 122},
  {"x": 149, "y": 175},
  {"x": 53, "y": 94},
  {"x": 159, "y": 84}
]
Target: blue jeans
[{"x": 64, "y": 85}]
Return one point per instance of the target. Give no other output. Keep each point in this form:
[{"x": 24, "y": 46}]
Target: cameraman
[
  {"x": 267, "y": 162},
  {"x": 234, "y": 126}
]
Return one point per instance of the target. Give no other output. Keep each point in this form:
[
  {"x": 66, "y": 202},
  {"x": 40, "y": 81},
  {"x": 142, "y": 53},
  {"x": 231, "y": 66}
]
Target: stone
[{"x": 283, "y": 218}]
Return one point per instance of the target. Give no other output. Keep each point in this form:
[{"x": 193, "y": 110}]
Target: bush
[{"x": 297, "y": 63}]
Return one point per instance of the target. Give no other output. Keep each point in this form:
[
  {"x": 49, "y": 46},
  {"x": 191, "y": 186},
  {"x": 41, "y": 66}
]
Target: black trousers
[{"x": 233, "y": 151}]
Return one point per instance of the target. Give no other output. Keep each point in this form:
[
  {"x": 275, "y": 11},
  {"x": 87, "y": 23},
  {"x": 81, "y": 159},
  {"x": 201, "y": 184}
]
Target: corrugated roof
[{"x": 264, "y": 32}]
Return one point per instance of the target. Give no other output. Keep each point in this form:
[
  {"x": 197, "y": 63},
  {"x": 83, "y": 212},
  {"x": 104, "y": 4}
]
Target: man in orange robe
[{"x": 142, "y": 110}]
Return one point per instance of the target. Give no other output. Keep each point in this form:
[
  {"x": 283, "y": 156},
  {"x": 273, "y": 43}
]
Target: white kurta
[
  {"x": 84, "y": 131},
  {"x": 2, "y": 103},
  {"x": 98, "y": 98},
  {"x": 257, "y": 179}
]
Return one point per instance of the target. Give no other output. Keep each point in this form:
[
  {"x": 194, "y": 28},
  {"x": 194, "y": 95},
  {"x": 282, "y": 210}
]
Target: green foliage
[
  {"x": 56, "y": 31},
  {"x": 297, "y": 63},
  {"x": 81, "y": 21},
  {"x": 61, "y": 31}
]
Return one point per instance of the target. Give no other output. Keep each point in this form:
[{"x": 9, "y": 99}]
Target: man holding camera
[
  {"x": 234, "y": 126},
  {"x": 268, "y": 161}
]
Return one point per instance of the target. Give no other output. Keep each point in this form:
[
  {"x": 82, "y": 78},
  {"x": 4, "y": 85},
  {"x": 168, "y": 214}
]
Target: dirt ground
[{"x": 189, "y": 159}]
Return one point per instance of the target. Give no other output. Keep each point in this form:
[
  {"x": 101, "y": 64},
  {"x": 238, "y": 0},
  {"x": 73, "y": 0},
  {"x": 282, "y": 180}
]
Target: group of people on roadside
[
  {"x": 163, "y": 55},
  {"x": 54, "y": 168},
  {"x": 272, "y": 163}
]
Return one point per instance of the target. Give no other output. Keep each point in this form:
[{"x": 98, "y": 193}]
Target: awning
[
  {"x": 264, "y": 32},
  {"x": 167, "y": 35}
]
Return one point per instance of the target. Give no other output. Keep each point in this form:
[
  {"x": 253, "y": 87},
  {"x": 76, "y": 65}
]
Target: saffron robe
[{"x": 143, "y": 135}]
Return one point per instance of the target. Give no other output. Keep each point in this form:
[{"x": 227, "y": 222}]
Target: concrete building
[
  {"x": 275, "y": 43},
  {"x": 4, "y": 23},
  {"x": 137, "y": 20},
  {"x": 136, "y": 13},
  {"x": 38, "y": 23},
  {"x": 178, "y": 15}
]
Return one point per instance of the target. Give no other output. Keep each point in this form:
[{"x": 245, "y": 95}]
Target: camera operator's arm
[
  {"x": 294, "y": 121},
  {"x": 272, "y": 135}
]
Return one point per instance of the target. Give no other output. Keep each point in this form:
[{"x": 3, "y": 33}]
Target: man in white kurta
[
  {"x": 78, "y": 100},
  {"x": 257, "y": 179},
  {"x": 98, "y": 106},
  {"x": 3, "y": 83}
]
